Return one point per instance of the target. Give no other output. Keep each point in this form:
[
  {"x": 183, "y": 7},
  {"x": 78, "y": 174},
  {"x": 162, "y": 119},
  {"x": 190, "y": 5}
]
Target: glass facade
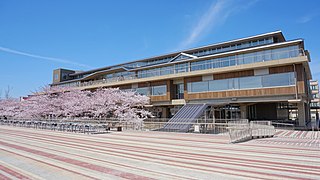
[
  {"x": 315, "y": 104},
  {"x": 153, "y": 90},
  {"x": 159, "y": 90},
  {"x": 231, "y": 60},
  {"x": 231, "y": 47},
  {"x": 247, "y": 58},
  {"x": 143, "y": 91},
  {"x": 271, "y": 80}
]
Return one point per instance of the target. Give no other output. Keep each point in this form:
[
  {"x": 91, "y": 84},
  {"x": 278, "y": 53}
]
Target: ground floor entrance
[{"x": 282, "y": 112}]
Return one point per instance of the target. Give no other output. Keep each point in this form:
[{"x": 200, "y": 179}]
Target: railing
[
  {"x": 56, "y": 125},
  {"x": 218, "y": 126},
  {"x": 200, "y": 65},
  {"x": 244, "y": 131},
  {"x": 285, "y": 126}
]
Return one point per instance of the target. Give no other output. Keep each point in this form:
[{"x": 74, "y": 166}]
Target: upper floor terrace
[{"x": 288, "y": 52}]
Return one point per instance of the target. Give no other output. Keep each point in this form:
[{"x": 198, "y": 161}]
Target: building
[
  {"x": 262, "y": 77},
  {"x": 315, "y": 102}
]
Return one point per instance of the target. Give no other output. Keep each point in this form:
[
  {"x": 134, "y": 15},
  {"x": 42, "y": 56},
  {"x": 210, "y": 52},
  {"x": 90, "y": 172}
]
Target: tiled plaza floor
[{"x": 44, "y": 154}]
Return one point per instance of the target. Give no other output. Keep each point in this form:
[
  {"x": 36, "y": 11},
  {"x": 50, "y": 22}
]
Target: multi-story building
[
  {"x": 315, "y": 102},
  {"x": 262, "y": 77}
]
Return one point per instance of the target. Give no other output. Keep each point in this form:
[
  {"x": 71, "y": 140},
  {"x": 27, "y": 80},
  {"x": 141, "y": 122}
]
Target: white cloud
[
  {"x": 64, "y": 61},
  {"x": 307, "y": 18},
  {"x": 215, "y": 16}
]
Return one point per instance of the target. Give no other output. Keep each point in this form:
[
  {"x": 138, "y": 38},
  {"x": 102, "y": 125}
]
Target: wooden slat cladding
[
  {"x": 243, "y": 93},
  {"x": 281, "y": 69},
  {"x": 301, "y": 87},
  {"x": 126, "y": 86},
  {"x": 155, "y": 83},
  {"x": 166, "y": 97},
  {"x": 233, "y": 75},
  {"x": 192, "y": 79},
  {"x": 158, "y": 83},
  {"x": 144, "y": 84},
  {"x": 300, "y": 72},
  {"x": 159, "y": 98}
]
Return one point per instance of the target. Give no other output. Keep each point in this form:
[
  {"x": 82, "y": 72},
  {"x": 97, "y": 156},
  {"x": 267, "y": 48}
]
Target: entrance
[
  {"x": 227, "y": 112},
  {"x": 179, "y": 91}
]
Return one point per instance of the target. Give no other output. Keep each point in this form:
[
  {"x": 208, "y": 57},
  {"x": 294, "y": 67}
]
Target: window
[
  {"x": 143, "y": 91},
  {"x": 219, "y": 85},
  {"x": 314, "y": 87},
  {"x": 250, "y": 82},
  {"x": 56, "y": 76},
  {"x": 159, "y": 90},
  {"x": 315, "y": 104},
  {"x": 181, "y": 68},
  {"x": 283, "y": 79},
  {"x": 198, "y": 86}
]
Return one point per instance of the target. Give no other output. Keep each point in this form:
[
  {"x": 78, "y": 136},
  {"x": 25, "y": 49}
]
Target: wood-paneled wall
[
  {"x": 243, "y": 93},
  {"x": 233, "y": 74},
  {"x": 166, "y": 97},
  {"x": 281, "y": 69}
]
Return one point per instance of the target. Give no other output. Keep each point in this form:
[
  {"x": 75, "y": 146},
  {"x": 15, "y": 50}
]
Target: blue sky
[{"x": 37, "y": 36}]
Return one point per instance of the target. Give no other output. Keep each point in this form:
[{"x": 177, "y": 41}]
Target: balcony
[{"x": 197, "y": 66}]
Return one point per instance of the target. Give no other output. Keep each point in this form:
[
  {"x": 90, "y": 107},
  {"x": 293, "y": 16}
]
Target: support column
[
  {"x": 302, "y": 115},
  {"x": 243, "y": 111}
]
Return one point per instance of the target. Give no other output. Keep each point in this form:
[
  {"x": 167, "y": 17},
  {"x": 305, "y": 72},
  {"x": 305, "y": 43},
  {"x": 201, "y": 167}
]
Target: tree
[
  {"x": 7, "y": 92},
  {"x": 65, "y": 102}
]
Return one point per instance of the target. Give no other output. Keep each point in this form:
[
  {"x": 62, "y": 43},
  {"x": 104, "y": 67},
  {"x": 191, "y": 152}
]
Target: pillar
[
  {"x": 243, "y": 111},
  {"x": 302, "y": 115}
]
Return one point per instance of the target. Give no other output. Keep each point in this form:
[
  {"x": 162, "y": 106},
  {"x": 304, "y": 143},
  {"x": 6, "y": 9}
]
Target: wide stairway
[{"x": 184, "y": 118}]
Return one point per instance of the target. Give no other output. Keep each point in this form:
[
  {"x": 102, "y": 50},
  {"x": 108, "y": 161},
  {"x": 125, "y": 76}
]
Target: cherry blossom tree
[{"x": 65, "y": 102}]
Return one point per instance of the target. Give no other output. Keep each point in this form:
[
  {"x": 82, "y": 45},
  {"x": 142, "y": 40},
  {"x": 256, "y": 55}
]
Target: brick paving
[{"x": 42, "y": 154}]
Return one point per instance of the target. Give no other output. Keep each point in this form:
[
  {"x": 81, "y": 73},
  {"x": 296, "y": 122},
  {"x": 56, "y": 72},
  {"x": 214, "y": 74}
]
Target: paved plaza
[{"x": 27, "y": 153}]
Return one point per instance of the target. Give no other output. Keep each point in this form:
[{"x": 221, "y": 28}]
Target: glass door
[{"x": 179, "y": 91}]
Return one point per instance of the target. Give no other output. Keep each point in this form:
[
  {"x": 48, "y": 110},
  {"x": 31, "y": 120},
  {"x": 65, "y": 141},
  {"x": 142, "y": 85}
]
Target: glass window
[
  {"x": 261, "y": 42},
  {"x": 248, "y": 58},
  {"x": 56, "y": 76},
  {"x": 245, "y": 45},
  {"x": 254, "y": 43},
  {"x": 181, "y": 68},
  {"x": 283, "y": 79},
  {"x": 259, "y": 56},
  {"x": 159, "y": 90},
  {"x": 219, "y": 85},
  {"x": 143, "y": 91},
  {"x": 224, "y": 62},
  {"x": 267, "y": 55},
  {"x": 250, "y": 82},
  {"x": 198, "y": 86}
]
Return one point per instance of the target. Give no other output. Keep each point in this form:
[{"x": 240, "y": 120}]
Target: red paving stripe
[
  {"x": 290, "y": 133},
  {"x": 305, "y": 134},
  {"x": 77, "y": 162},
  {"x": 255, "y": 146},
  {"x": 126, "y": 147},
  {"x": 296, "y": 148},
  {"x": 148, "y": 150},
  {"x": 299, "y": 134},
  {"x": 229, "y": 163},
  {"x": 13, "y": 173},
  {"x": 49, "y": 164},
  {"x": 211, "y": 171},
  {"x": 257, "y": 172},
  {"x": 100, "y": 160},
  {"x": 278, "y": 132},
  {"x": 209, "y": 141},
  {"x": 3, "y": 177}
]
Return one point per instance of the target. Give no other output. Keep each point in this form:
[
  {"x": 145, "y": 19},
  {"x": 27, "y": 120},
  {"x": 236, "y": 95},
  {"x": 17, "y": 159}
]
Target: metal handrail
[{"x": 188, "y": 68}]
